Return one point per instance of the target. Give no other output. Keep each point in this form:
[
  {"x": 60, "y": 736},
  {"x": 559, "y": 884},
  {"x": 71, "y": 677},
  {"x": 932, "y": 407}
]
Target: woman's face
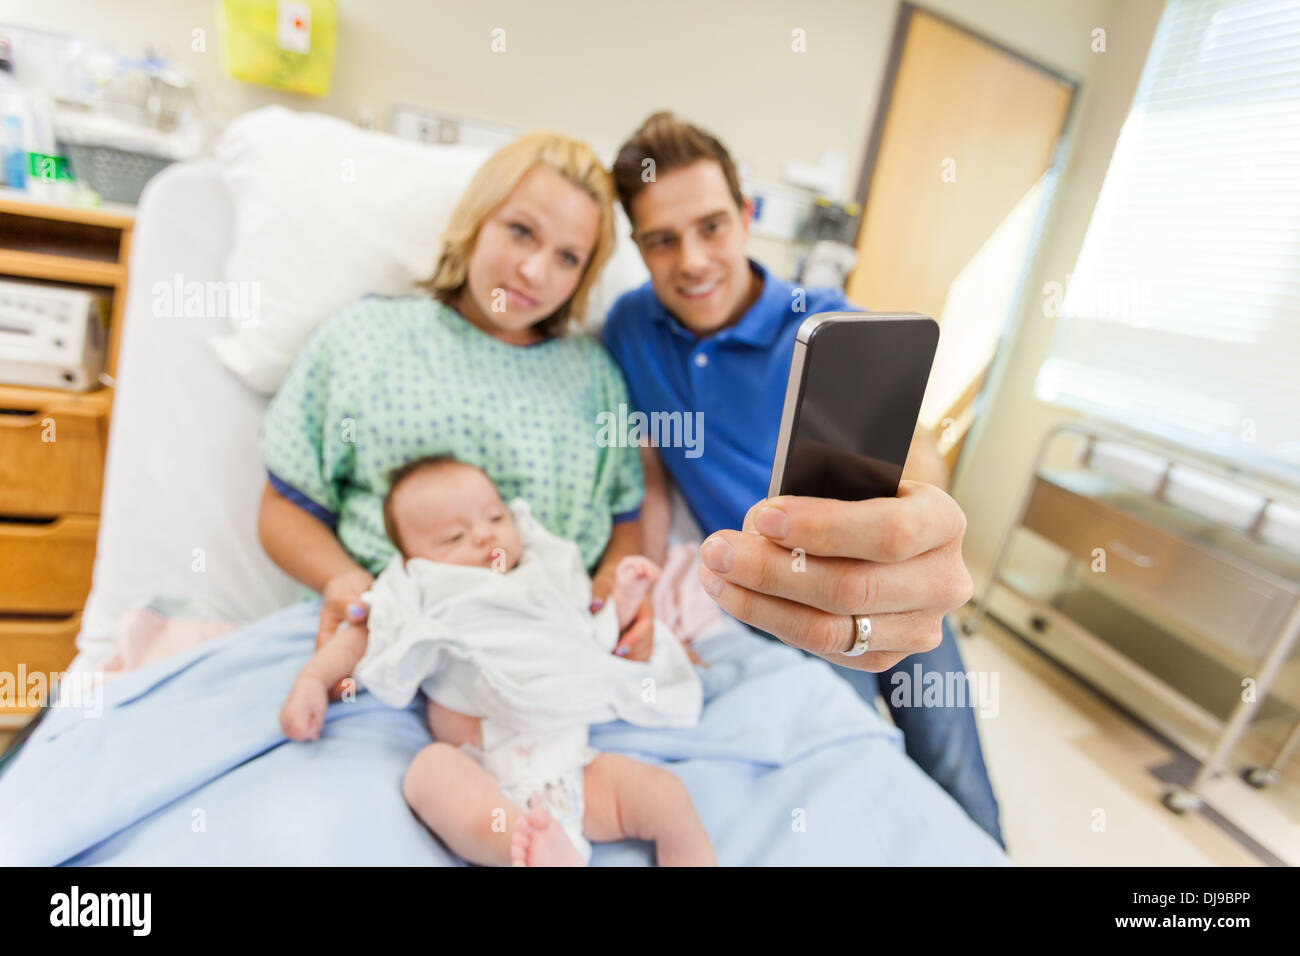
[{"x": 529, "y": 256}]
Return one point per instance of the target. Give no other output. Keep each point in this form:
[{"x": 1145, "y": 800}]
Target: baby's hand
[
  {"x": 303, "y": 713},
  {"x": 633, "y": 579},
  {"x": 629, "y": 589}
]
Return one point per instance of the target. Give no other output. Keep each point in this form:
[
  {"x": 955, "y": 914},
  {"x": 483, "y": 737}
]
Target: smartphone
[{"x": 851, "y": 404}]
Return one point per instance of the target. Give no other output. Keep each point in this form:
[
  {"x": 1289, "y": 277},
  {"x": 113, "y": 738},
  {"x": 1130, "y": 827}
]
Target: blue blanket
[{"x": 186, "y": 765}]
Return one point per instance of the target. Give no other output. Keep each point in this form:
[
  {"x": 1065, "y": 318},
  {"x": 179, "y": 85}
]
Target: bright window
[{"x": 1182, "y": 315}]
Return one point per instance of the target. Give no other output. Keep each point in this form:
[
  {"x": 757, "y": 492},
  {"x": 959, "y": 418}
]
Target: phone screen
[{"x": 861, "y": 379}]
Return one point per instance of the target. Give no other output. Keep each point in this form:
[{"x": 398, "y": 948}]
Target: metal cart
[{"x": 1226, "y": 591}]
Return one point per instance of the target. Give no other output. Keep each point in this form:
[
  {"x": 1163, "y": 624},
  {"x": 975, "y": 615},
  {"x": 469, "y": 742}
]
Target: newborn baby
[{"x": 487, "y": 613}]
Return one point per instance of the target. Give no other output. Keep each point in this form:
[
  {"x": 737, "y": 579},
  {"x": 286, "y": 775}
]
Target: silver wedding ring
[{"x": 862, "y": 636}]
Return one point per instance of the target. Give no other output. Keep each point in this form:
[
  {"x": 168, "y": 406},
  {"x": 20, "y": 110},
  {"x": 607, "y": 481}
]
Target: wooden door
[{"x": 951, "y": 188}]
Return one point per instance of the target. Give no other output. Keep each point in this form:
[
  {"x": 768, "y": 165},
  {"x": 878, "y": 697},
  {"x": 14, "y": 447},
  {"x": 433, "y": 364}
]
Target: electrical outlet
[{"x": 293, "y": 26}]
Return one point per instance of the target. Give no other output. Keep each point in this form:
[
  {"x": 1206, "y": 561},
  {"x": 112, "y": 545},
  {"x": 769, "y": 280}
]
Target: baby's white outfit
[{"x": 522, "y": 650}]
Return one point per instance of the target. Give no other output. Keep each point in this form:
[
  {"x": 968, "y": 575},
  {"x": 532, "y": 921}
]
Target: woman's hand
[
  {"x": 601, "y": 585},
  {"x": 803, "y": 566},
  {"x": 342, "y": 596},
  {"x": 342, "y": 602},
  {"x": 638, "y": 639}
]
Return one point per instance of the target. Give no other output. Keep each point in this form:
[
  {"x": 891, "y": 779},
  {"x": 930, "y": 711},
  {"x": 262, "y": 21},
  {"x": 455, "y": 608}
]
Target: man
[{"x": 713, "y": 332}]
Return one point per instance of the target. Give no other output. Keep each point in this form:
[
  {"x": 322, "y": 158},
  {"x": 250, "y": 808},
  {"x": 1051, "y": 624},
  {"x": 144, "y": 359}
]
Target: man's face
[{"x": 692, "y": 238}]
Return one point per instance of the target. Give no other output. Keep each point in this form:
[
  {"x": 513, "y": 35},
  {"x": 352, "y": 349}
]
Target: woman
[{"x": 482, "y": 370}]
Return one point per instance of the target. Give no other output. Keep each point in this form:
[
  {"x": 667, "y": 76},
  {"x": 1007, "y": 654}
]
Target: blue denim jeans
[{"x": 941, "y": 740}]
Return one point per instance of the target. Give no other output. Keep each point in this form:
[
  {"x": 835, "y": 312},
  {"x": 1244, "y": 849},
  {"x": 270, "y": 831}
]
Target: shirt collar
[{"x": 759, "y": 326}]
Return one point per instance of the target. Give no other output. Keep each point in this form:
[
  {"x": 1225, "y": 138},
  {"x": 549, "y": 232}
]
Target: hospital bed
[{"x": 185, "y": 765}]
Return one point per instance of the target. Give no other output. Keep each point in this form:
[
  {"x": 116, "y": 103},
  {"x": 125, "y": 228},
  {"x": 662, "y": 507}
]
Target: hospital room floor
[{"x": 1058, "y": 753}]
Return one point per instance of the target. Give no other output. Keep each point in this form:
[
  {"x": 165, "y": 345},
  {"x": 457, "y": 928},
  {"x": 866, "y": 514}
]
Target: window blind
[{"x": 1182, "y": 316}]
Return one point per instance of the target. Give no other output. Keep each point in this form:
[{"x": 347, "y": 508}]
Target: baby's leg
[
  {"x": 632, "y": 579},
  {"x": 627, "y": 798},
  {"x": 453, "y": 727},
  {"x": 303, "y": 713},
  {"x": 462, "y": 804},
  {"x": 541, "y": 840}
]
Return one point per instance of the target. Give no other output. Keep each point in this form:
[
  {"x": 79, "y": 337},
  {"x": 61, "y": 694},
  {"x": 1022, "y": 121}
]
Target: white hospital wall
[{"x": 595, "y": 69}]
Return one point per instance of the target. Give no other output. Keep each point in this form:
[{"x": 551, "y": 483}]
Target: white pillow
[{"x": 326, "y": 213}]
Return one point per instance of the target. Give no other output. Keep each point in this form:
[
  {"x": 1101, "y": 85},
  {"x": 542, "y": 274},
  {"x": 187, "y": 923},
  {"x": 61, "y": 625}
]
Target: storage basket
[{"x": 118, "y": 175}]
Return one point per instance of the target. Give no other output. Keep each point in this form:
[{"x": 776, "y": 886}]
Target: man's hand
[{"x": 802, "y": 566}]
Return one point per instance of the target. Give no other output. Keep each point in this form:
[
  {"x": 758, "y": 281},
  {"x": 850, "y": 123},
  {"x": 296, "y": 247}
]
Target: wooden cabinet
[{"x": 52, "y": 446}]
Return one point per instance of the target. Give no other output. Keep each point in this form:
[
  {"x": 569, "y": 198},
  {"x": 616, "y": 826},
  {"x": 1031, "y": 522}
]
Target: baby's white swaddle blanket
[{"x": 520, "y": 648}]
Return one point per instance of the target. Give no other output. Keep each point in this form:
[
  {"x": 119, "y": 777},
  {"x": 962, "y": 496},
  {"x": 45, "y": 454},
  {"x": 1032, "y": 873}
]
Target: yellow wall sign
[{"x": 285, "y": 44}]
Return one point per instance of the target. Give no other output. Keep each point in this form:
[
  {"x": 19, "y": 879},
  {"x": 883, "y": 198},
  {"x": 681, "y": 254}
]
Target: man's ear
[
  {"x": 629, "y": 215},
  {"x": 634, "y": 235},
  {"x": 747, "y": 215}
]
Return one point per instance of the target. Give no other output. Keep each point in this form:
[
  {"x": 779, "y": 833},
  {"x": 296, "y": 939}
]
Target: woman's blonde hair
[{"x": 495, "y": 180}]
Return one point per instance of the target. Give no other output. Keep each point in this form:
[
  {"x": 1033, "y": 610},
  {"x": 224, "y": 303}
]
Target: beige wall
[
  {"x": 999, "y": 459},
  {"x": 596, "y": 68}
]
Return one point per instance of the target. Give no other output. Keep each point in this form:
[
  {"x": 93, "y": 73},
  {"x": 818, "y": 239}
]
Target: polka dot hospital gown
[{"x": 390, "y": 379}]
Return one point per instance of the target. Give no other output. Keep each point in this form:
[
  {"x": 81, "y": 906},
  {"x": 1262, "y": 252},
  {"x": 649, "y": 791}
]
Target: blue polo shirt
[{"x": 735, "y": 378}]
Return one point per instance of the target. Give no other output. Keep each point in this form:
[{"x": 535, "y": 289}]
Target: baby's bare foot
[
  {"x": 540, "y": 841},
  {"x": 303, "y": 713},
  {"x": 632, "y": 579}
]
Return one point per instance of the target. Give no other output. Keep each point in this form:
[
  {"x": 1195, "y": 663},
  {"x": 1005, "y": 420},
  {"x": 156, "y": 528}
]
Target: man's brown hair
[
  {"x": 399, "y": 475},
  {"x": 668, "y": 143}
]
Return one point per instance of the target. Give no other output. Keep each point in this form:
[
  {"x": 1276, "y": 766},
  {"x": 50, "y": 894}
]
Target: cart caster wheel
[
  {"x": 1180, "y": 800},
  {"x": 1260, "y": 777}
]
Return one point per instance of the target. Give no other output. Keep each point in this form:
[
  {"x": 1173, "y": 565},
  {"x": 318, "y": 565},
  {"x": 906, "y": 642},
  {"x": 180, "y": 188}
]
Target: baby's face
[{"x": 454, "y": 515}]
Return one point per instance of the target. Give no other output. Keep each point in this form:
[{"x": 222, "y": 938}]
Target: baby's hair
[{"x": 399, "y": 475}]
